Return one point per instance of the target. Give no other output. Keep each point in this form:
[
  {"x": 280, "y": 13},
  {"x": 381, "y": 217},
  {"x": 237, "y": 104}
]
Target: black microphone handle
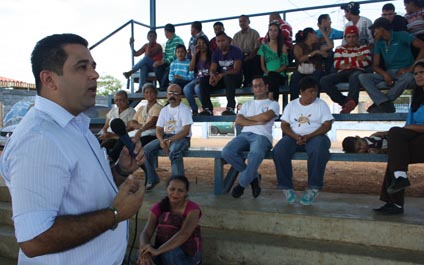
[{"x": 126, "y": 140}]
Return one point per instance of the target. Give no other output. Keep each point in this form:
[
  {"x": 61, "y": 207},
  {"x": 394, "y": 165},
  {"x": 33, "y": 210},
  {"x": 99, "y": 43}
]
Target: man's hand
[
  {"x": 129, "y": 198},
  {"x": 164, "y": 144},
  {"x": 388, "y": 79},
  {"x": 129, "y": 164}
]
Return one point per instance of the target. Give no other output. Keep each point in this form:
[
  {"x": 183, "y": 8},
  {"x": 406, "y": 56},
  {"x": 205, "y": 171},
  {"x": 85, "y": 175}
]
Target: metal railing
[{"x": 152, "y": 25}]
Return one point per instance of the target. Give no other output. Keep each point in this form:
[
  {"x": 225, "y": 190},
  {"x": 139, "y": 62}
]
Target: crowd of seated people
[{"x": 369, "y": 62}]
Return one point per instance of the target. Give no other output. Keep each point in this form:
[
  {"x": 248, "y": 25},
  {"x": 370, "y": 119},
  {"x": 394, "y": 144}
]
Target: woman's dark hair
[
  {"x": 280, "y": 38},
  {"x": 418, "y": 93},
  {"x": 308, "y": 82},
  {"x": 301, "y": 35},
  {"x": 208, "y": 51},
  {"x": 164, "y": 203}
]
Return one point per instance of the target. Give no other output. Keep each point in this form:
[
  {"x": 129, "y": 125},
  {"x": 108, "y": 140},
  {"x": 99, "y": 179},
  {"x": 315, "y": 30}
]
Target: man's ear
[{"x": 48, "y": 79}]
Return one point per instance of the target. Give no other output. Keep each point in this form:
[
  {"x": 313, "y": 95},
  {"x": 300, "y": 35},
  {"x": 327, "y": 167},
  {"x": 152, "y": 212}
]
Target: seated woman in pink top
[{"x": 175, "y": 220}]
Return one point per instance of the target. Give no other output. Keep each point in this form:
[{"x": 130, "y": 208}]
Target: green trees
[{"x": 108, "y": 85}]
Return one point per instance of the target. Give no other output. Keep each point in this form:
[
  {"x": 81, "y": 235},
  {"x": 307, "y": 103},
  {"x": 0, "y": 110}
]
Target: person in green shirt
[
  {"x": 162, "y": 67},
  {"x": 274, "y": 60}
]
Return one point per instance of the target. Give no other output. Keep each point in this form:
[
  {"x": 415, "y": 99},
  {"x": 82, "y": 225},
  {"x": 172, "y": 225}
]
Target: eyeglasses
[{"x": 172, "y": 93}]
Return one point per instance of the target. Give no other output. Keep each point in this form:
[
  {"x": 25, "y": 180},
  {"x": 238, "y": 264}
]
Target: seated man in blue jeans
[
  {"x": 394, "y": 48},
  {"x": 256, "y": 118},
  {"x": 173, "y": 132}
]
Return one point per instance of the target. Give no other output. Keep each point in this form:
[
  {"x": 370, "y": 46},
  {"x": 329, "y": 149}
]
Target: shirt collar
[{"x": 58, "y": 113}]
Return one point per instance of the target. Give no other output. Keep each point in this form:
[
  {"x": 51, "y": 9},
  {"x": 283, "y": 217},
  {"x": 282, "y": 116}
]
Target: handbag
[{"x": 306, "y": 68}]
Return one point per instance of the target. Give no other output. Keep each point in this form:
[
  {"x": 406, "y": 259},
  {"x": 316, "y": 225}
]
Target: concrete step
[
  {"x": 341, "y": 218},
  {"x": 8, "y": 246},
  {"x": 247, "y": 248},
  {"x": 6, "y": 213},
  {"x": 7, "y": 261}
]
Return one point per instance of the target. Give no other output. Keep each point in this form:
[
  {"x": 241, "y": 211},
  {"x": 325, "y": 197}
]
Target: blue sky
[{"x": 24, "y": 22}]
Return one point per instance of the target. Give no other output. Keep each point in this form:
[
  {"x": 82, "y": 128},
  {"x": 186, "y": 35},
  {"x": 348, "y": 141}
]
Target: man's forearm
[{"x": 68, "y": 232}]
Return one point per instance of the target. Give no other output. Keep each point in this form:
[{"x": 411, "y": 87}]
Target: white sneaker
[{"x": 290, "y": 196}]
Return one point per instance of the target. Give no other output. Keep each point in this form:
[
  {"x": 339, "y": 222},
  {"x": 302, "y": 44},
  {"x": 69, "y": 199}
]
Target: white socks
[{"x": 400, "y": 174}]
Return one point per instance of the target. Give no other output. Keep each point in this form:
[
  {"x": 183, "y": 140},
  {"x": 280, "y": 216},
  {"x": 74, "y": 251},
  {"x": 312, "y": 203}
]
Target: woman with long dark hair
[
  {"x": 405, "y": 146},
  {"x": 308, "y": 55},
  {"x": 274, "y": 60},
  {"x": 176, "y": 222},
  {"x": 200, "y": 64}
]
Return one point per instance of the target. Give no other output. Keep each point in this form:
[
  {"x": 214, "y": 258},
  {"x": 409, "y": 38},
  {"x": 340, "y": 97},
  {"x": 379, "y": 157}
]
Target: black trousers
[
  {"x": 404, "y": 147},
  {"x": 275, "y": 80},
  {"x": 229, "y": 82}
]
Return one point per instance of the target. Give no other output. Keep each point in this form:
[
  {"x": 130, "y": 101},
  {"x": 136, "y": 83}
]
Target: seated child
[
  {"x": 376, "y": 143},
  {"x": 179, "y": 72}
]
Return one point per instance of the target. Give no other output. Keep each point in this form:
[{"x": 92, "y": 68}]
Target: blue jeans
[
  {"x": 256, "y": 144},
  {"x": 176, "y": 150},
  {"x": 145, "y": 65},
  {"x": 175, "y": 256},
  {"x": 190, "y": 90},
  {"x": 372, "y": 83},
  {"x": 317, "y": 149}
]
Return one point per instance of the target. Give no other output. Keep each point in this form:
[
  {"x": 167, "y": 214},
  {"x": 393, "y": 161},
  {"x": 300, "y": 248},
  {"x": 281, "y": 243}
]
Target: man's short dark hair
[
  {"x": 308, "y": 82},
  {"x": 322, "y": 17},
  {"x": 180, "y": 46},
  {"x": 49, "y": 54},
  {"x": 388, "y": 7},
  {"x": 197, "y": 25},
  {"x": 218, "y": 23},
  {"x": 245, "y": 16},
  {"x": 349, "y": 144},
  {"x": 170, "y": 28}
]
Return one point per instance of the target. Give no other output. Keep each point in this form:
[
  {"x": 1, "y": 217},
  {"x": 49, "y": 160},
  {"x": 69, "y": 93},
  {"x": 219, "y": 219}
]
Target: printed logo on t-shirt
[
  {"x": 170, "y": 126},
  {"x": 303, "y": 119}
]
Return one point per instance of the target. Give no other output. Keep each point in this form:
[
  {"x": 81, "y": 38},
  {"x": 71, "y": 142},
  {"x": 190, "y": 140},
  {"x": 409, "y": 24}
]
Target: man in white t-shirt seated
[
  {"x": 256, "y": 118},
  {"x": 173, "y": 132}
]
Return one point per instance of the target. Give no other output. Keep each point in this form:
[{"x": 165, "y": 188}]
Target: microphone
[{"x": 119, "y": 128}]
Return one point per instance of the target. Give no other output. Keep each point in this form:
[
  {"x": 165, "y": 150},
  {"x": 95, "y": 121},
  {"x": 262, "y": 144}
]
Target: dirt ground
[{"x": 340, "y": 177}]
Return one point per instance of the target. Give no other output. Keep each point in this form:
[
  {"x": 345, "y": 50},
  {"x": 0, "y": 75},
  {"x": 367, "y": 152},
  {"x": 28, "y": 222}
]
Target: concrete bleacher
[{"x": 338, "y": 229}]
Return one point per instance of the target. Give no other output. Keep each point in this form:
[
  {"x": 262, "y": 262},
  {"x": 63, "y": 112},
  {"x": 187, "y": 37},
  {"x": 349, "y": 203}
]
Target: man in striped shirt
[
  {"x": 162, "y": 67},
  {"x": 350, "y": 60}
]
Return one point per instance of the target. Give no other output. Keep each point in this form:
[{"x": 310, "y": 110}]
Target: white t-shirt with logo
[
  {"x": 306, "y": 119},
  {"x": 255, "y": 107},
  {"x": 172, "y": 120}
]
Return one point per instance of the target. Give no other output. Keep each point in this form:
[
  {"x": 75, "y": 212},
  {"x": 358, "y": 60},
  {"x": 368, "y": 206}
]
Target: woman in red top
[
  {"x": 176, "y": 222},
  {"x": 152, "y": 51}
]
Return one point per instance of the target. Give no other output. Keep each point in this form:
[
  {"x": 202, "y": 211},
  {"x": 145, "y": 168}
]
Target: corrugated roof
[{"x": 16, "y": 84}]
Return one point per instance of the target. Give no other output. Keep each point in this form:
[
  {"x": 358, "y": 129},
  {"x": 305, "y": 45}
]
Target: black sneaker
[
  {"x": 256, "y": 189},
  {"x": 228, "y": 111},
  {"x": 398, "y": 184},
  {"x": 237, "y": 191},
  {"x": 389, "y": 209},
  {"x": 206, "y": 112},
  {"x": 387, "y": 107},
  {"x": 372, "y": 109}
]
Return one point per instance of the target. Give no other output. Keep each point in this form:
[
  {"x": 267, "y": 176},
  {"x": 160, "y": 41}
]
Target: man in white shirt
[
  {"x": 173, "y": 132},
  {"x": 66, "y": 205},
  {"x": 362, "y": 23},
  {"x": 256, "y": 118}
]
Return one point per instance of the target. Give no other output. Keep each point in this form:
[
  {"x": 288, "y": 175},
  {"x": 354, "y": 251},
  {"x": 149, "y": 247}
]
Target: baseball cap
[
  {"x": 351, "y": 29},
  {"x": 351, "y": 7},
  {"x": 381, "y": 22}
]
